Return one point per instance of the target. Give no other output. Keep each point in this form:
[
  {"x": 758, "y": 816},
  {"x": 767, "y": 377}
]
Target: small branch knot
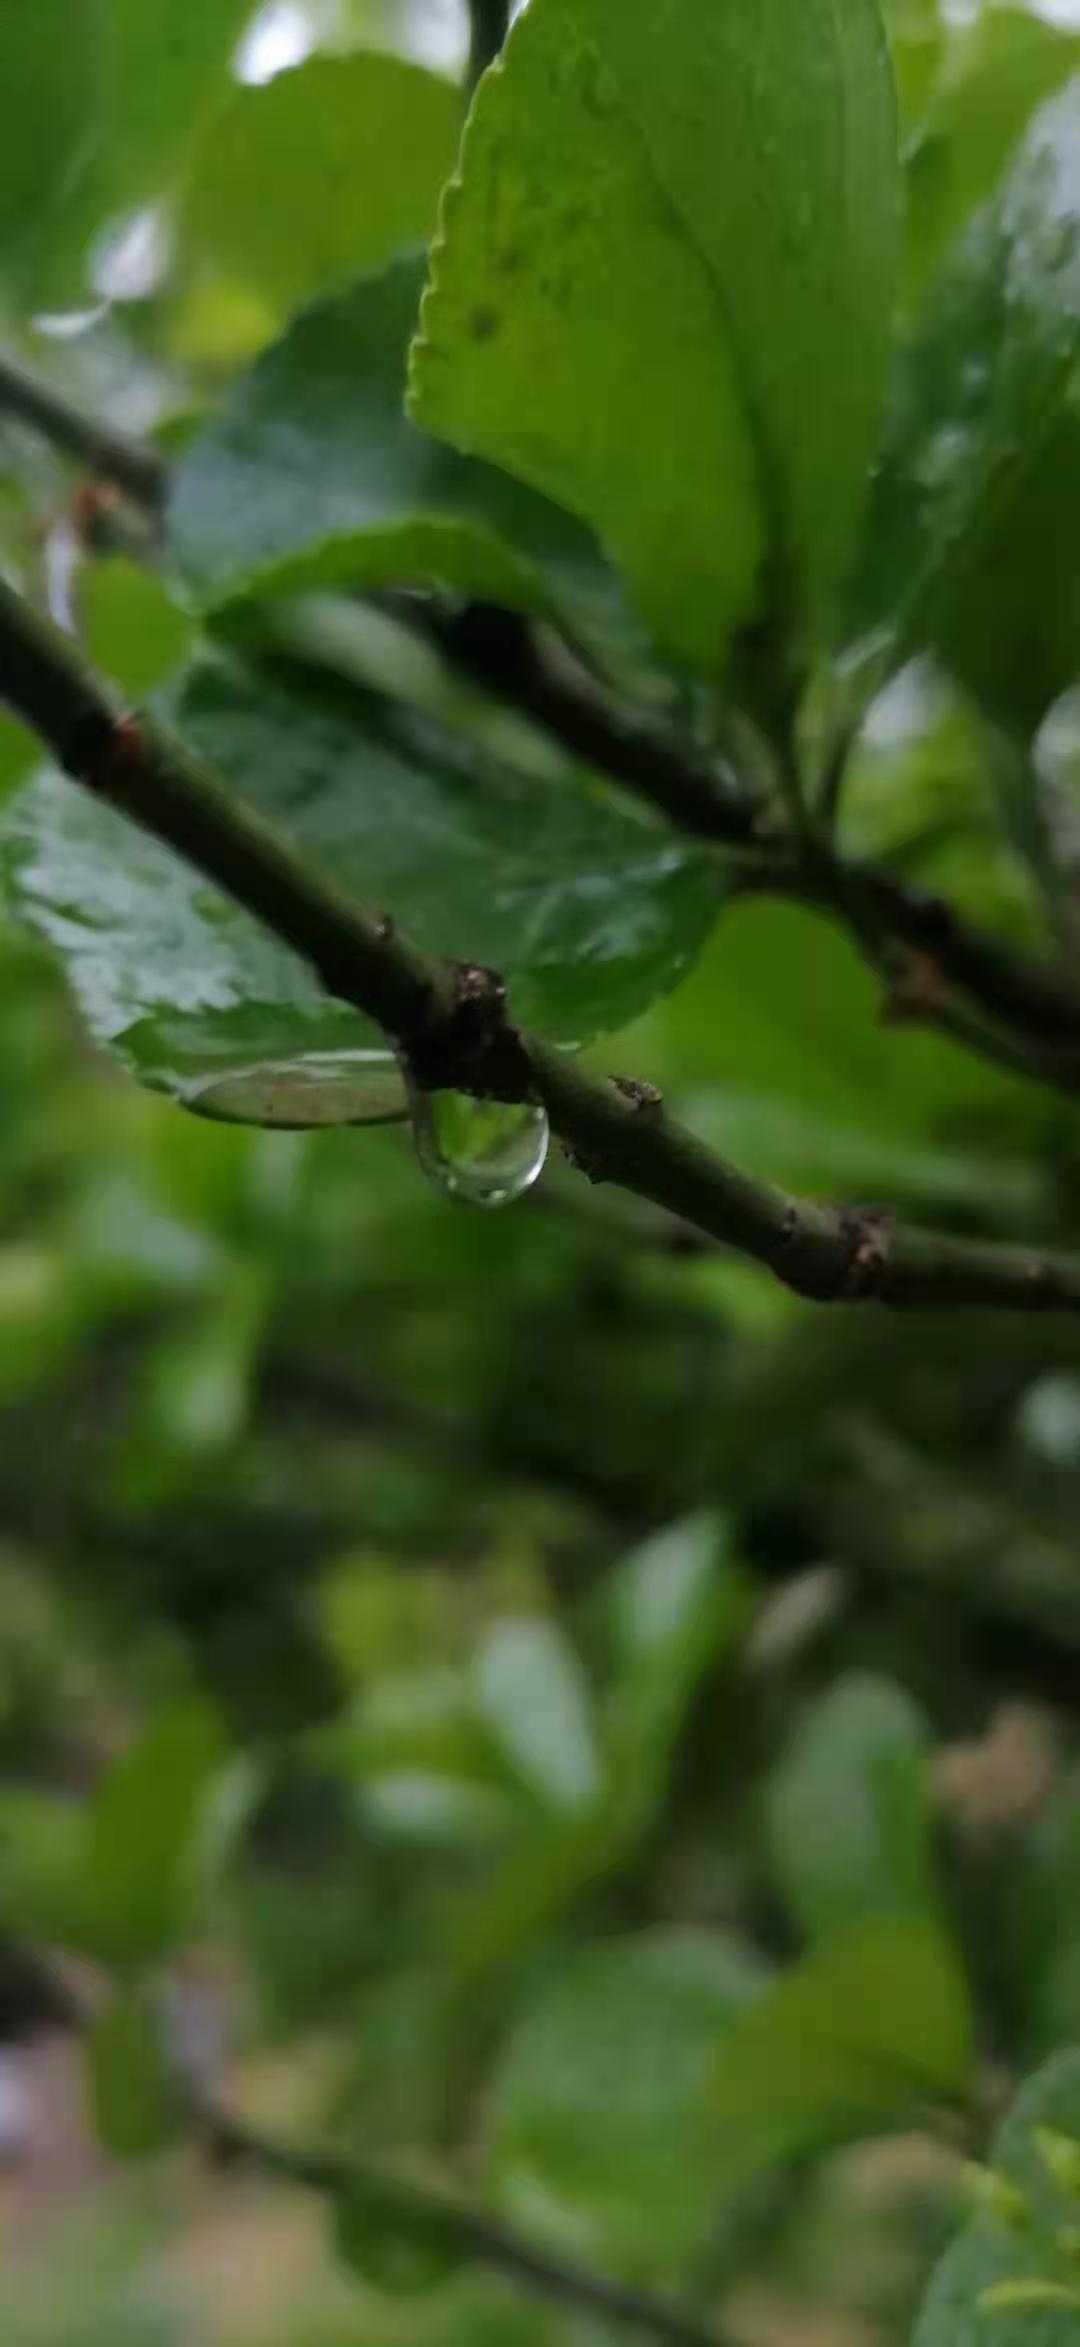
[
  {"x": 470, "y": 1045},
  {"x": 868, "y": 1232},
  {"x": 643, "y": 1097},
  {"x": 919, "y": 992}
]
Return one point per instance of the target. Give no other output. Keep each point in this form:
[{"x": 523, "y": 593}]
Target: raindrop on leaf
[
  {"x": 298, "y": 1095},
  {"x": 483, "y": 1152}
]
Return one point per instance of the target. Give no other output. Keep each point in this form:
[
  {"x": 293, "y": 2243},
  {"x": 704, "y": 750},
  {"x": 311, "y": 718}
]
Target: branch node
[
  {"x": 919, "y": 992},
  {"x": 470, "y": 1044},
  {"x": 88, "y": 746},
  {"x": 868, "y": 1231},
  {"x": 643, "y": 1097}
]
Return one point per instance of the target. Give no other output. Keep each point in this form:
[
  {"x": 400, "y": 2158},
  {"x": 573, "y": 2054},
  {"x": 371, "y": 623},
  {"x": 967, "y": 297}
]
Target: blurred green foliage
[{"x": 517, "y": 1697}]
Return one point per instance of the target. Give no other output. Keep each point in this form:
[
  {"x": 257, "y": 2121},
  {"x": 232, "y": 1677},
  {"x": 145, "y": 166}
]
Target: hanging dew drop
[
  {"x": 482, "y": 1152},
  {"x": 317, "y": 1088}
]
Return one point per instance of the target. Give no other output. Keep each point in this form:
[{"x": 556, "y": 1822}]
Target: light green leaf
[
  {"x": 975, "y": 524},
  {"x": 679, "y": 1577},
  {"x": 601, "y": 2131},
  {"x": 859, "y": 2037},
  {"x": 309, "y": 475},
  {"x": 662, "y": 291},
  {"x": 129, "y": 624},
  {"x": 321, "y": 173},
  {"x": 847, "y": 1808},
  {"x": 584, "y": 910},
  {"x": 991, "y": 2255},
  {"x": 133, "y": 2097},
  {"x": 533, "y": 1696},
  {"x": 420, "y": 1721},
  {"x": 19, "y": 751},
  {"x": 170, "y": 66},
  {"x": 142, "y": 1832},
  {"x": 52, "y": 95},
  {"x": 395, "y": 2240},
  {"x": 916, "y": 46},
  {"x": 997, "y": 71},
  {"x": 163, "y": 68},
  {"x": 420, "y": 1811},
  {"x": 773, "y": 1050},
  {"x": 671, "y": 1610},
  {"x": 46, "y": 1891}
]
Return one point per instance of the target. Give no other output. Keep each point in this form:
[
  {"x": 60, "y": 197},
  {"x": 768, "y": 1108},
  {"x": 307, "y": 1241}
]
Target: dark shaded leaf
[
  {"x": 973, "y": 536},
  {"x": 585, "y": 911},
  {"x": 309, "y": 475}
]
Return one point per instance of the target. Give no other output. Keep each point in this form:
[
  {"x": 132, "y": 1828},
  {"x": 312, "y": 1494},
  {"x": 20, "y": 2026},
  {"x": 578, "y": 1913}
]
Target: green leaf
[
  {"x": 19, "y": 751},
  {"x": 585, "y": 911},
  {"x": 533, "y": 1696},
  {"x": 394, "y": 2238},
  {"x": 46, "y": 1890},
  {"x": 663, "y": 286},
  {"x": 773, "y": 1051},
  {"x": 170, "y": 66},
  {"x": 162, "y": 69},
  {"x": 997, "y": 71},
  {"x": 671, "y": 1609},
  {"x": 418, "y": 1720},
  {"x": 133, "y": 2096},
  {"x": 601, "y": 2131},
  {"x": 477, "y": 2309},
  {"x": 975, "y": 523},
  {"x": 321, "y": 173},
  {"x": 990, "y": 2255},
  {"x": 847, "y": 1808},
  {"x": 130, "y": 626},
  {"x": 309, "y": 474},
  {"x": 916, "y": 46},
  {"x": 934, "y": 785},
  {"x": 52, "y": 95},
  {"x": 869, "y": 2028},
  {"x": 142, "y": 1832},
  {"x": 1042, "y": 1921}
]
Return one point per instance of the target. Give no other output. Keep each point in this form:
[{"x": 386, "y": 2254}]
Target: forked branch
[{"x": 453, "y": 1024}]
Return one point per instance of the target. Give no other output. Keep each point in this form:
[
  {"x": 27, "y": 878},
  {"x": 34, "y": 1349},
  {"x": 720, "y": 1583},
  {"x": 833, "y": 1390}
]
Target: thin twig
[
  {"x": 481, "y": 2239},
  {"x": 130, "y": 464},
  {"x": 1006, "y": 990},
  {"x": 502, "y": 651},
  {"x": 451, "y": 1021}
]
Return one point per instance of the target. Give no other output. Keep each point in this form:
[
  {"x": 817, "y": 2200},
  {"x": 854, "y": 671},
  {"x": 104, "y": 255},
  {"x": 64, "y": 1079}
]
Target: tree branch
[
  {"x": 1032, "y": 1001},
  {"x": 130, "y": 464},
  {"x": 1026, "y": 1014},
  {"x": 480, "y": 2239},
  {"x": 489, "y": 20},
  {"x": 501, "y": 651},
  {"x": 452, "y": 1025}
]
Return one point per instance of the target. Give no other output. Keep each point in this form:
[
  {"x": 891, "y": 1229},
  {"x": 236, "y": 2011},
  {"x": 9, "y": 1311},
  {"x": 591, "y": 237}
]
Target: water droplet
[
  {"x": 296, "y": 1095},
  {"x": 484, "y": 1152}
]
